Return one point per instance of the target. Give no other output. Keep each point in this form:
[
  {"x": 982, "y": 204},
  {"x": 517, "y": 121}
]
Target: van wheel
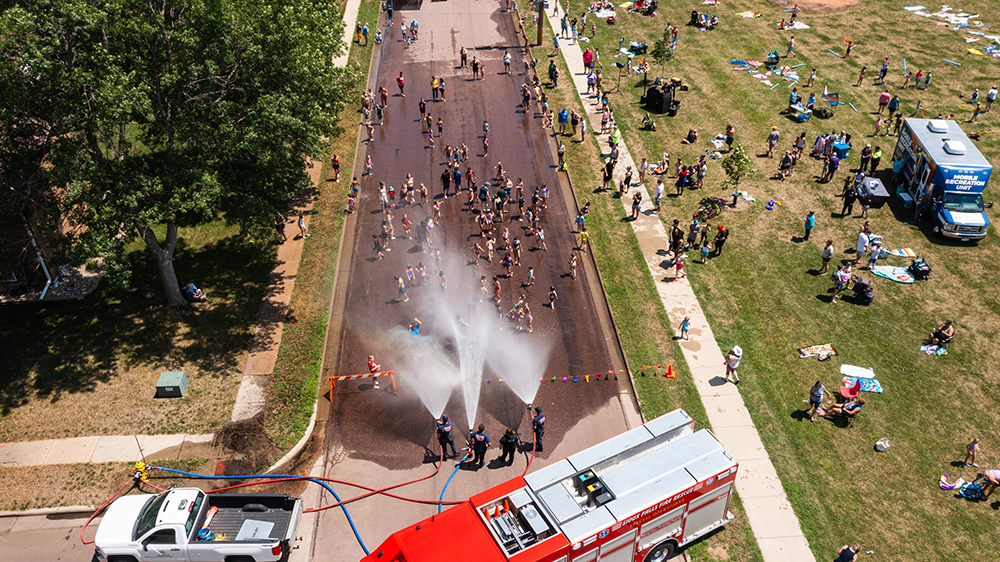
[{"x": 663, "y": 551}]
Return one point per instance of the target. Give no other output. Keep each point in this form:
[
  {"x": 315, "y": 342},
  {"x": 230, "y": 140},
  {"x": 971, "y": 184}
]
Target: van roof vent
[
  {"x": 937, "y": 126},
  {"x": 954, "y": 147}
]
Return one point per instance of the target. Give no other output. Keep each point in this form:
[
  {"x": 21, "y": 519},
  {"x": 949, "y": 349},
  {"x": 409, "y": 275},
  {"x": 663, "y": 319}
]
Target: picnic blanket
[
  {"x": 856, "y": 372},
  {"x": 897, "y": 274},
  {"x": 796, "y": 25},
  {"x": 903, "y": 253},
  {"x": 824, "y": 350},
  {"x": 604, "y": 13},
  {"x": 867, "y": 385},
  {"x": 934, "y": 350},
  {"x": 749, "y": 14}
]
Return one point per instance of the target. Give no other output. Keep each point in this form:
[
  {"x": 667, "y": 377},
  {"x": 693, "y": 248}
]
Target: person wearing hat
[
  {"x": 772, "y": 140},
  {"x": 445, "y": 438},
  {"x": 733, "y": 362},
  {"x": 538, "y": 426},
  {"x": 866, "y": 156}
]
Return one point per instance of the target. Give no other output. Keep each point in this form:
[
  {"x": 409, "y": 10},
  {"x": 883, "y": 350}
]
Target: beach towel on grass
[
  {"x": 825, "y": 349},
  {"x": 943, "y": 483},
  {"x": 934, "y": 350},
  {"x": 867, "y": 385},
  {"x": 903, "y": 253},
  {"x": 897, "y": 274},
  {"x": 856, "y": 372}
]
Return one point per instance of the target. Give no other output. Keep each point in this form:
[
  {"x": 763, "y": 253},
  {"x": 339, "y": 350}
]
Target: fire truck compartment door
[
  {"x": 621, "y": 549},
  {"x": 660, "y": 528},
  {"x": 706, "y": 510},
  {"x": 586, "y": 556}
]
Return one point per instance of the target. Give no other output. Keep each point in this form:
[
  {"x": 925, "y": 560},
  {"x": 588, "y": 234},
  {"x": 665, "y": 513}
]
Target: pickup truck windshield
[
  {"x": 147, "y": 520},
  {"x": 193, "y": 515},
  {"x": 963, "y": 202}
]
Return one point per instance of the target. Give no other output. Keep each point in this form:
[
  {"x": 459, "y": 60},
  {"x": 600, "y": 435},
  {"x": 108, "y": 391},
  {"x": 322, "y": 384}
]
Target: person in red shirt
[
  {"x": 400, "y": 81},
  {"x": 373, "y": 368}
]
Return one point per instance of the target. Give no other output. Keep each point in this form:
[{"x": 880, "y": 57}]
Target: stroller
[
  {"x": 863, "y": 290},
  {"x": 772, "y": 59},
  {"x": 648, "y": 123},
  {"x": 919, "y": 269}
]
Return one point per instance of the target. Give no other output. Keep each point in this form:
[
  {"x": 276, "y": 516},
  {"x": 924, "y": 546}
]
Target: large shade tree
[{"x": 127, "y": 114}]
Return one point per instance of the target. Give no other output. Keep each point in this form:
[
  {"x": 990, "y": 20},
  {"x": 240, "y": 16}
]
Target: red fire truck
[{"x": 637, "y": 497}]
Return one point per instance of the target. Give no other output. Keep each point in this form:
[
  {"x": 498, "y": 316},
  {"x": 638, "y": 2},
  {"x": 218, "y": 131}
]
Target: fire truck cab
[{"x": 637, "y": 497}]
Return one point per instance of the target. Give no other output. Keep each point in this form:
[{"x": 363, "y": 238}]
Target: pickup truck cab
[{"x": 190, "y": 525}]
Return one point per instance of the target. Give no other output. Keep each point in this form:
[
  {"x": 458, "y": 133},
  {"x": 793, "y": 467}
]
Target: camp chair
[{"x": 848, "y": 393}]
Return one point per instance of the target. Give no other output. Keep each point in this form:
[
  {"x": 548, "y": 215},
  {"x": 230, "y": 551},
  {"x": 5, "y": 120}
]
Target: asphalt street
[{"x": 380, "y": 437}]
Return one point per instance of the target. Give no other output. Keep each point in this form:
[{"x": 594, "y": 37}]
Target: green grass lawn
[
  {"x": 644, "y": 329},
  {"x": 106, "y": 351},
  {"x": 764, "y": 294}
]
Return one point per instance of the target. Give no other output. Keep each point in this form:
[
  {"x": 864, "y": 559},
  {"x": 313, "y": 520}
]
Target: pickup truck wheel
[
  {"x": 122, "y": 559},
  {"x": 240, "y": 559},
  {"x": 663, "y": 551}
]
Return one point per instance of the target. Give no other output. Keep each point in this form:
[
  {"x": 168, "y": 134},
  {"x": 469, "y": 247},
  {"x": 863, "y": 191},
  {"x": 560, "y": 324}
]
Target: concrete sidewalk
[
  {"x": 774, "y": 524},
  {"x": 106, "y": 448}
]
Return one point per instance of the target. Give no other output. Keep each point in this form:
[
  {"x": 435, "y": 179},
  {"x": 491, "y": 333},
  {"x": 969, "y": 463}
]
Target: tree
[
  {"x": 166, "y": 112},
  {"x": 662, "y": 52},
  {"x": 737, "y": 166}
]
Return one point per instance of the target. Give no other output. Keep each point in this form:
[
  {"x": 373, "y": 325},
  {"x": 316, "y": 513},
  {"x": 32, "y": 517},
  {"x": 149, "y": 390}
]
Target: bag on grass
[{"x": 971, "y": 491}]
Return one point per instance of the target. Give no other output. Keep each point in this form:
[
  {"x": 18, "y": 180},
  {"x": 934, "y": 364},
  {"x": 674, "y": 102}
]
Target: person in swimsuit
[{"x": 991, "y": 479}]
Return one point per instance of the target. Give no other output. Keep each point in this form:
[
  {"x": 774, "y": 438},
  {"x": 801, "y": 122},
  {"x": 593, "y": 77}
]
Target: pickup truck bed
[{"x": 270, "y": 508}]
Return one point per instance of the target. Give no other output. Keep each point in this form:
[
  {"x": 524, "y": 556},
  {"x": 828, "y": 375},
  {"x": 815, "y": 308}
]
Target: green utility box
[{"x": 172, "y": 384}]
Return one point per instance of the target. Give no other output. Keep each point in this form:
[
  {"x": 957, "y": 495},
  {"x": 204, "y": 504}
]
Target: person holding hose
[
  {"x": 445, "y": 438},
  {"x": 538, "y": 426}
]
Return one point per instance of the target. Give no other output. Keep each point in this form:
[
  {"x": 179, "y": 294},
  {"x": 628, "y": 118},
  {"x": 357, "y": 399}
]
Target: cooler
[{"x": 842, "y": 149}]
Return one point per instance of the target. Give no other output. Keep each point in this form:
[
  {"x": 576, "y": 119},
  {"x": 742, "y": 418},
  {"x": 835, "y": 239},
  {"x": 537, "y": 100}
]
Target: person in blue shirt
[
  {"x": 538, "y": 426},
  {"x": 793, "y": 98},
  {"x": 445, "y": 438},
  {"x": 809, "y": 224},
  {"x": 563, "y": 119},
  {"x": 479, "y": 442},
  {"x": 812, "y": 101}
]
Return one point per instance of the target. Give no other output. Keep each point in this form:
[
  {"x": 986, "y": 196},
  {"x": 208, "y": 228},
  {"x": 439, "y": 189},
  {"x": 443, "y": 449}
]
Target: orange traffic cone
[
  {"x": 486, "y": 512},
  {"x": 670, "y": 371},
  {"x": 497, "y": 514}
]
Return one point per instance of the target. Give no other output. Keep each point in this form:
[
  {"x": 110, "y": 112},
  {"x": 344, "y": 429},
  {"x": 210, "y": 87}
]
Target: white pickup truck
[{"x": 188, "y": 524}]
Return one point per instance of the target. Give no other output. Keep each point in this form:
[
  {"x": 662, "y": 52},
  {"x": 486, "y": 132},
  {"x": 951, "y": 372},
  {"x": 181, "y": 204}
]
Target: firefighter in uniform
[
  {"x": 479, "y": 442},
  {"x": 538, "y": 426},
  {"x": 445, "y": 438},
  {"x": 508, "y": 445}
]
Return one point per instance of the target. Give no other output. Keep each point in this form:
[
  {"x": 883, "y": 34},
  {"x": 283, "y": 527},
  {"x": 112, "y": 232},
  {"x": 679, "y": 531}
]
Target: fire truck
[{"x": 637, "y": 497}]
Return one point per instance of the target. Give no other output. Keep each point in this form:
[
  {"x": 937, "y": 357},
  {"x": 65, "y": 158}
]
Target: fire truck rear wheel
[{"x": 663, "y": 551}]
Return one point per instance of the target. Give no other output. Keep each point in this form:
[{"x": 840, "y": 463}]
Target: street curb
[
  {"x": 68, "y": 510},
  {"x": 294, "y": 451}
]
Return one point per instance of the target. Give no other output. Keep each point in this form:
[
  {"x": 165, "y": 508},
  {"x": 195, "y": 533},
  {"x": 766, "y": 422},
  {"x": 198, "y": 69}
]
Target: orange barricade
[{"x": 389, "y": 374}]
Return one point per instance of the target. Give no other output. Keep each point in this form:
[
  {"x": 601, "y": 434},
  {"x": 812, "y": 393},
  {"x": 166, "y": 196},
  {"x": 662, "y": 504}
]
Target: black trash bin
[{"x": 674, "y": 106}]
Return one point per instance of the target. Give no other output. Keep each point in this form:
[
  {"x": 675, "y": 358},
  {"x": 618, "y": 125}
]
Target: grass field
[
  {"x": 66, "y": 360},
  {"x": 644, "y": 329},
  {"x": 765, "y": 294}
]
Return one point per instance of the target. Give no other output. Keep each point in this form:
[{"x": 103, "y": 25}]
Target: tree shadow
[{"x": 58, "y": 348}]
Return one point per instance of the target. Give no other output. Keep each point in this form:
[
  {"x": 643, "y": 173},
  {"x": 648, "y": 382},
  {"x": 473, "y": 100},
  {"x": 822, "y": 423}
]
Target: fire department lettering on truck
[{"x": 664, "y": 506}]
